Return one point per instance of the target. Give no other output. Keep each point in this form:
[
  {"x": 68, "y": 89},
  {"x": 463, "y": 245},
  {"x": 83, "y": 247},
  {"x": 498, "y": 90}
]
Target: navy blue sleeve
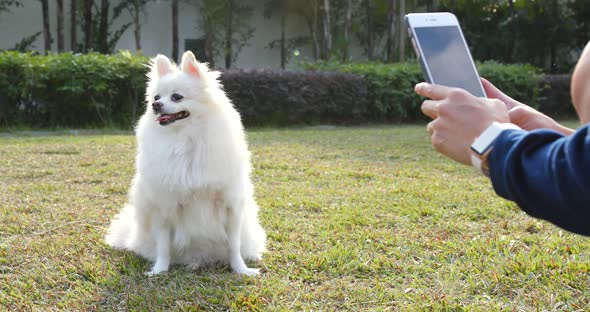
[{"x": 546, "y": 173}]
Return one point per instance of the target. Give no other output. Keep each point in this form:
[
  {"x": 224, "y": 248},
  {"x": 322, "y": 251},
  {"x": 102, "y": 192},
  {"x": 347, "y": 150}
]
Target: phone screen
[{"x": 448, "y": 59}]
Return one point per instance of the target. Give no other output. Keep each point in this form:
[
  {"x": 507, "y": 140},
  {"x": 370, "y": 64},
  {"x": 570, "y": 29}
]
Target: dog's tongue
[{"x": 165, "y": 117}]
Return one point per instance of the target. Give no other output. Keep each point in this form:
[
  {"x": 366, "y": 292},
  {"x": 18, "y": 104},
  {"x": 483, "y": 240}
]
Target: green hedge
[
  {"x": 90, "y": 90},
  {"x": 556, "y": 96},
  {"x": 521, "y": 82},
  {"x": 280, "y": 97},
  {"x": 391, "y": 86},
  {"x": 70, "y": 89}
]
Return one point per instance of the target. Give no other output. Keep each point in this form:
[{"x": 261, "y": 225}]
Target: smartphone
[{"x": 443, "y": 52}]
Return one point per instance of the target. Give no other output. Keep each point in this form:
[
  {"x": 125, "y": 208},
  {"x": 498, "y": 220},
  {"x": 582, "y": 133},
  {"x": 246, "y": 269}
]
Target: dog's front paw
[
  {"x": 194, "y": 266},
  {"x": 150, "y": 273},
  {"x": 155, "y": 271},
  {"x": 248, "y": 271}
]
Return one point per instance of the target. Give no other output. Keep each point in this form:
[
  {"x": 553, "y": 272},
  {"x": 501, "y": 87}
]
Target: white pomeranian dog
[{"x": 191, "y": 201}]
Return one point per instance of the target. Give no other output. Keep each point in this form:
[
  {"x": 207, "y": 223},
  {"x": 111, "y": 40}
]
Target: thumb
[{"x": 495, "y": 93}]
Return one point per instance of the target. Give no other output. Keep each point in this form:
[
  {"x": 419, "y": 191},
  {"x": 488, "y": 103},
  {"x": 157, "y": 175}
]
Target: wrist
[
  {"x": 563, "y": 129},
  {"x": 482, "y": 145}
]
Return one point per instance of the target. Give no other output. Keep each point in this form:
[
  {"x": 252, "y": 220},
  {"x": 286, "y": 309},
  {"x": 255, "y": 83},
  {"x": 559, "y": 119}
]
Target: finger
[
  {"x": 491, "y": 90},
  {"x": 494, "y": 93},
  {"x": 430, "y": 128},
  {"x": 499, "y": 109},
  {"x": 430, "y": 108},
  {"x": 432, "y": 91},
  {"x": 518, "y": 115}
]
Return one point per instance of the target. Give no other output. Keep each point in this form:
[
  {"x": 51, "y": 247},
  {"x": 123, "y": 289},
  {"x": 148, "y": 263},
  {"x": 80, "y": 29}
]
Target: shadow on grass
[{"x": 212, "y": 287}]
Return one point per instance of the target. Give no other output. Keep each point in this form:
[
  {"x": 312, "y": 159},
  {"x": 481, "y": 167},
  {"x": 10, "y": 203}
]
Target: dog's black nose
[{"x": 157, "y": 106}]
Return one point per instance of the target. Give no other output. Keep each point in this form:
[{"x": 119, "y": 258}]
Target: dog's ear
[
  {"x": 190, "y": 65},
  {"x": 161, "y": 65}
]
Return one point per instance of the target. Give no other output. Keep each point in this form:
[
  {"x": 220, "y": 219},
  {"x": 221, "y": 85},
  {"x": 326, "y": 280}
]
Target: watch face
[
  {"x": 479, "y": 147},
  {"x": 486, "y": 139}
]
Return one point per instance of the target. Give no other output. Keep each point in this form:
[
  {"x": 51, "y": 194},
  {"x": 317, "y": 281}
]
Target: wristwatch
[{"x": 482, "y": 146}]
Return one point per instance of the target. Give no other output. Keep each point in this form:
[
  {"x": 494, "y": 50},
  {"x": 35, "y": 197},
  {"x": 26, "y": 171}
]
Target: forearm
[
  {"x": 580, "y": 88},
  {"x": 546, "y": 174}
]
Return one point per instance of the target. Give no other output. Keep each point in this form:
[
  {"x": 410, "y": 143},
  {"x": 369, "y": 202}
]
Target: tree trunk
[
  {"x": 175, "y": 30},
  {"x": 347, "y": 24},
  {"x": 229, "y": 33},
  {"x": 209, "y": 42},
  {"x": 88, "y": 25},
  {"x": 283, "y": 43},
  {"x": 312, "y": 20},
  {"x": 369, "y": 31},
  {"x": 511, "y": 32},
  {"x": 137, "y": 24},
  {"x": 60, "y": 25},
  {"x": 103, "y": 28},
  {"x": 46, "y": 32},
  {"x": 430, "y": 6},
  {"x": 314, "y": 30},
  {"x": 74, "y": 25},
  {"x": 390, "y": 31},
  {"x": 327, "y": 46},
  {"x": 553, "y": 44},
  {"x": 402, "y": 31}
]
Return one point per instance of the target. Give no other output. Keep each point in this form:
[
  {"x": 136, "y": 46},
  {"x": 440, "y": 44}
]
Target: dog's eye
[
  {"x": 157, "y": 97},
  {"x": 176, "y": 97}
]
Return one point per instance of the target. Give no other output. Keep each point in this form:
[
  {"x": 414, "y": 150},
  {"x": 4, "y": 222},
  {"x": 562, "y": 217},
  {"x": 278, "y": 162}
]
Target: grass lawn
[{"x": 357, "y": 219}]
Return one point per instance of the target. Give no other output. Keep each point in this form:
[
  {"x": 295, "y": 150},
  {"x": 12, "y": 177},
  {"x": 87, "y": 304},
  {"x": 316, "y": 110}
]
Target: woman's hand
[
  {"x": 523, "y": 115},
  {"x": 458, "y": 118}
]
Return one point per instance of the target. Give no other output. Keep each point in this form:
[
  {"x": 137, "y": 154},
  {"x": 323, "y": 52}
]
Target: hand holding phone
[{"x": 442, "y": 51}]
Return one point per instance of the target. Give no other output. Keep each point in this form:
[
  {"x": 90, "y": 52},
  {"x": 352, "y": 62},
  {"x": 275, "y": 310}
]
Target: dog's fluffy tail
[
  {"x": 122, "y": 229},
  {"x": 126, "y": 233}
]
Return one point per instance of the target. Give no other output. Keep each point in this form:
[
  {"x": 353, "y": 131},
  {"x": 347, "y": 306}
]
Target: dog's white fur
[{"x": 192, "y": 200}]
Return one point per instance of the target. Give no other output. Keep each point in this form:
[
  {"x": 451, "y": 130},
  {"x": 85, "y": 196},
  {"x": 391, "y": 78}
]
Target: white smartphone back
[{"x": 443, "y": 52}]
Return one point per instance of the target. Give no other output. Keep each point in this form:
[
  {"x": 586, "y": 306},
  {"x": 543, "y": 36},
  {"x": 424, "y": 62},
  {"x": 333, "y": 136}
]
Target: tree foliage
[
  {"x": 545, "y": 33},
  {"x": 27, "y": 43},
  {"x": 98, "y": 29},
  {"x": 5, "y": 5},
  {"x": 135, "y": 9},
  {"x": 214, "y": 23}
]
